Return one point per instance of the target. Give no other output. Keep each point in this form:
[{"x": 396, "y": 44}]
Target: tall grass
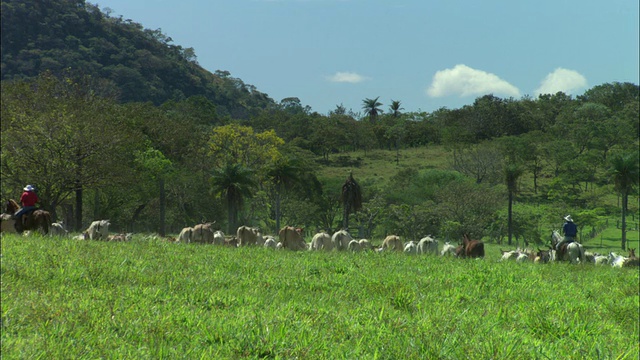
[{"x": 148, "y": 299}]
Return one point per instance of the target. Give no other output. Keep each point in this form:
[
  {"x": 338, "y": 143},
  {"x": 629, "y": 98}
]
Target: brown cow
[
  {"x": 632, "y": 260},
  {"x": 460, "y": 251},
  {"x": 291, "y": 238},
  {"x": 473, "y": 248}
]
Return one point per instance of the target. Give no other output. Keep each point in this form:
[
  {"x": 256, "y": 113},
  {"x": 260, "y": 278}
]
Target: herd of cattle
[{"x": 291, "y": 238}]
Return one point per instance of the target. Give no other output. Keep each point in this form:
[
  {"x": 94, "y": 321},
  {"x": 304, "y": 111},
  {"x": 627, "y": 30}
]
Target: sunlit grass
[{"x": 65, "y": 298}]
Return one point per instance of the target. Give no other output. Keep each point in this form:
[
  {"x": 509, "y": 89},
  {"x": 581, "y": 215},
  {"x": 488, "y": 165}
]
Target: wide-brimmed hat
[
  {"x": 568, "y": 218},
  {"x": 29, "y": 188}
]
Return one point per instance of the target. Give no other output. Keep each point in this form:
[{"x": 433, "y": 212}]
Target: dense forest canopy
[
  {"x": 111, "y": 120},
  {"x": 142, "y": 64}
]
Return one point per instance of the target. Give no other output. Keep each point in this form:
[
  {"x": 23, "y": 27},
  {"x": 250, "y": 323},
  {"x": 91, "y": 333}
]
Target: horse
[
  {"x": 573, "y": 252},
  {"x": 34, "y": 220}
]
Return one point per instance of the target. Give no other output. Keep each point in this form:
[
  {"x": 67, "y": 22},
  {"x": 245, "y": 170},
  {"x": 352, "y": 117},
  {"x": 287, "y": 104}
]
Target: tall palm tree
[
  {"x": 235, "y": 183},
  {"x": 512, "y": 173},
  {"x": 624, "y": 173},
  {"x": 395, "y": 108},
  {"x": 371, "y": 107},
  {"x": 283, "y": 174},
  {"x": 351, "y": 197}
]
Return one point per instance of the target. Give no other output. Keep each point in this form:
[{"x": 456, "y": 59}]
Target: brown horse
[{"x": 34, "y": 220}]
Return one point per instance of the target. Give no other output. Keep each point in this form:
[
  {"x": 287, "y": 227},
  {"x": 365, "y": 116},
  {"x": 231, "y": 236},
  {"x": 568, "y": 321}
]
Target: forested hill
[{"x": 142, "y": 64}]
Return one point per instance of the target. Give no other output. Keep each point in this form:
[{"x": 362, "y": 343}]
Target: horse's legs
[{"x": 18, "y": 226}]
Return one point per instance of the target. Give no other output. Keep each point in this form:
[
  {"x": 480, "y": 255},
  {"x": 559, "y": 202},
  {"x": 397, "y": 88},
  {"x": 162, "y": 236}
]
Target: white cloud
[
  {"x": 347, "y": 77},
  {"x": 564, "y": 80},
  {"x": 465, "y": 81}
]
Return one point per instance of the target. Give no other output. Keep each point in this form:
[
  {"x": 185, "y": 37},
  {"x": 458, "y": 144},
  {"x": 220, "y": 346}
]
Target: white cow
[
  {"x": 590, "y": 257},
  {"x": 428, "y": 245},
  {"x": 120, "y": 237},
  {"x": 448, "y": 249},
  {"x": 509, "y": 255},
  {"x": 410, "y": 248},
  {"x": 522, "y": 257},
  {"x": 616, "y": 260},
  {"x": 218, "y": 238},
  {"x": 57, "y": 229},
  {"x": 83, "y": 236},
  {"x": 270, "y": 242},
  {"x": 99, "y": 230},
  {"x": 601, "y": 260},
  {"x": 354, "y": 245},
  {"x": 185, "y": 235},
  {"x": 365, "y": 244},
  {"x": 392, "y": 242},
  {"x": 341, "y": 240},
  {"x": 291, "y": 238},
  {"x": 321, "y": 241},
  {"x": 202, "y": 233},
  {"x": 249, "y": 236}
]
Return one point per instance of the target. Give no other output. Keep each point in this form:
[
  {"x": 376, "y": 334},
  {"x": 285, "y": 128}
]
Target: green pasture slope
[{"x": 149, "y": 299}]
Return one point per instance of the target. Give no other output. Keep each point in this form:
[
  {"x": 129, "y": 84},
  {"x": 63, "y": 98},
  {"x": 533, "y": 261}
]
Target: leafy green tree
[
  {"x": 371, "y": 214},
  {"x": 159, "y": 168},
  {"x": 235, "y": 183},
  {"x": 371, "y": 108},
  {"x": 472, "y": 206},
  {"x": 412, "y": 222},
  {"x": 613, "y": 95},
  {"x": 624, "y": 172},
  {"x": 396, "y": 135},
  {"x": 237, "y": 144},
  {"x": 482, "y": 162},
  {"x": 61, "y": 134},
  {"x": 283, "y": 174}
]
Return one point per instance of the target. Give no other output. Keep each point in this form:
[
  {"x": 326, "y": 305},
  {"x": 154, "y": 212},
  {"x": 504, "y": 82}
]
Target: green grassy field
[{"x": 150, "y": 299}]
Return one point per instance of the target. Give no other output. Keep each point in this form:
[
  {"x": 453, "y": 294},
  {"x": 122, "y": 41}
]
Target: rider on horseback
[
  {"x": 570, "y": 231},
  {"x": 28, "y": 200}
]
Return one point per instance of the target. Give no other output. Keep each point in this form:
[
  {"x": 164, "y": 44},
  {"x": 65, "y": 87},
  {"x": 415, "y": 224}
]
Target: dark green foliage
[{"x": 143, "y": 64}]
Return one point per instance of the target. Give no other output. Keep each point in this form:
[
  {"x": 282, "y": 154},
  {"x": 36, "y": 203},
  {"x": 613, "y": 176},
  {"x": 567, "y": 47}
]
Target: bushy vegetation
[
  {"x": 64, "y": 298},
  {"x": 102, "y": 145}
]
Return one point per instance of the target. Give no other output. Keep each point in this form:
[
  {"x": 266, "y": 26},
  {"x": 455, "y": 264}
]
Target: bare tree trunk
[
  {"x": 135, "y": 216},
  {"x": 277, "y": 208},
  {"x": 510, "y": 228},
  {"x": 625, "y": 199},
  {"x": 345, "y": 223},
  {"x": 78, "y": 224},
  {"x": 163, "y": 206}
]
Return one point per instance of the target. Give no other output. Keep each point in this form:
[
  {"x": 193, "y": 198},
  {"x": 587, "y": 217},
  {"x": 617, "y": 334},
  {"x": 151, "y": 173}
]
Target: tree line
[{"x": 161, "y": 167}]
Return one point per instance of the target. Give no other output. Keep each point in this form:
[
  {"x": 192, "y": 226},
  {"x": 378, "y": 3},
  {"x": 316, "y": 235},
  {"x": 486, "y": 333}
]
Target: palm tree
[
  {"x": 234, "y": 182},
  {"x": 512, "y": 173},
  {"x": 371, "y": 107},
  {"x": 395, "y": 108},
  {"x": 283, "y": 174},
  {"x": 351, "y": 197},
  {"x": 624, "y": 173}
]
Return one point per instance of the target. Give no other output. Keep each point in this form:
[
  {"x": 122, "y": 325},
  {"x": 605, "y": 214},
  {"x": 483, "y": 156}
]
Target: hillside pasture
[{"x": 148, "y": 298}]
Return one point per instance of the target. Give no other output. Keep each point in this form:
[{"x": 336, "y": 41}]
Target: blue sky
[{"x": 426, "y": 54}]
